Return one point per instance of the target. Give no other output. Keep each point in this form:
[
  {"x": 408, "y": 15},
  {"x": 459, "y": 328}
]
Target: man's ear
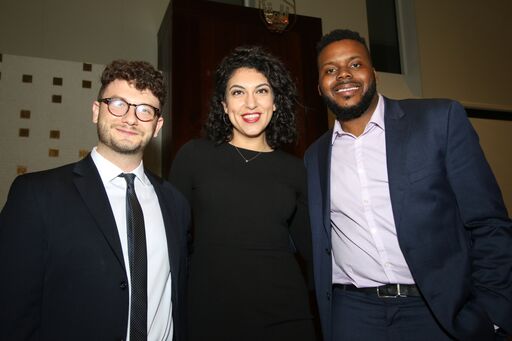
[
  {"x": 95, "y": 111},
  {"x": 159, "y": 124}
]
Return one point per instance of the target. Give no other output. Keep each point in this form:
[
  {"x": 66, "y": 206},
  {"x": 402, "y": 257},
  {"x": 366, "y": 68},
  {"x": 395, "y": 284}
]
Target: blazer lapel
[
  {"x": 174, "y": 249},
  {"x": 324, "y": 173},
  {"x": 169, "y": 220},
  {"x": 88, "y": 183},
  {"x": 396, "y": 125}
]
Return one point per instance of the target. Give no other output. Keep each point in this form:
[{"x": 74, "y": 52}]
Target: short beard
[
  {"x": 349, "y": 113},
  {"x": 117, "y": 147},
  {"x": 103, "y": 128}
]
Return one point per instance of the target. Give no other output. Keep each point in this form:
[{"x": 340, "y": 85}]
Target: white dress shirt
[
  {"x": 364, "y": 241},
  {"x": 160, "y": 326}
]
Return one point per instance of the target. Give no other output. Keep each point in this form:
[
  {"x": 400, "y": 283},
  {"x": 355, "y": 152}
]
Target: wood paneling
[{"x": 196, "y": 35}]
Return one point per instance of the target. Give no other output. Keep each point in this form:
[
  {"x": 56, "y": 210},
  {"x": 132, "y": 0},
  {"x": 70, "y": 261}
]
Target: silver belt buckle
[{"x": 398, "y": 293}]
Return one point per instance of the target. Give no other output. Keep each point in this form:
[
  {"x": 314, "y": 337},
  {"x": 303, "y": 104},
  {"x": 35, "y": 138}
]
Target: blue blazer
[
  {"x": 451, "y": 223},
  {"x": 63, "y": 275}
]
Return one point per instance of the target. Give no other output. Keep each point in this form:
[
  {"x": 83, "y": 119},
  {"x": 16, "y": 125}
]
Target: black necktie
[{"x": 138, "y": 262}]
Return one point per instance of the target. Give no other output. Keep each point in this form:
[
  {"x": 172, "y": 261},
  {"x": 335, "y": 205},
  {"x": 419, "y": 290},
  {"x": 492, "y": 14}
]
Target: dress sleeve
[
  {"x": 182, "y": 170},
  {"x": 300, "y": 230}
]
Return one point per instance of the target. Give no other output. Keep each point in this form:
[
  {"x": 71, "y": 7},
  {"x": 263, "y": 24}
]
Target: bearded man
[
  {"x": 96, "y": 250},
  {"x": 411, "y": 238}
]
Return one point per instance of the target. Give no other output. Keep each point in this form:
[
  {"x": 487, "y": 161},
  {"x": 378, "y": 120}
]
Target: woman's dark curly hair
[
  {"x": 281, "y": 130},
  {"x": 142, "y": 74}
]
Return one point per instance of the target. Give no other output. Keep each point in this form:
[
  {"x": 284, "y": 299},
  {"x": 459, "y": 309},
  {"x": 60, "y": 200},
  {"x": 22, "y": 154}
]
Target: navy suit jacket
[
  {"x": 62, "y": 268},
  {"x": 451, "y": 223}
]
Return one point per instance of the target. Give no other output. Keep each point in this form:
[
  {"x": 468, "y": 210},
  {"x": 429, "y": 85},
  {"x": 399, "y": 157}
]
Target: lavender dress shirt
[{"x": 364, "y": 241}]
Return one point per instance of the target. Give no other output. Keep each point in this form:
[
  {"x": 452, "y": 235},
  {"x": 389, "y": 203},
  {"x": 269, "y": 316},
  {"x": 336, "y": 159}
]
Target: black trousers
[{"x": 359, "y": 316}]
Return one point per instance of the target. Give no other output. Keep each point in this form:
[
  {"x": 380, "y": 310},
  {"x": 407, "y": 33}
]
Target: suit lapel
[
  {"x": 396, "y": 140},
  {"x": 174, "y": 249},
  {"x": 88, "y": 183},
  {"x": 169, "y": 221},
  {"x": 324, "y": 173}
]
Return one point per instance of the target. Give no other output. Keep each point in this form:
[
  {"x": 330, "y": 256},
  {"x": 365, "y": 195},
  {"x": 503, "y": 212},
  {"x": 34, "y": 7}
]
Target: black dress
[{"x": 245, "y": 281}]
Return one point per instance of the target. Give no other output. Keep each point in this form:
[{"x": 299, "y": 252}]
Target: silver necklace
[{"x": 243, "y": 157}]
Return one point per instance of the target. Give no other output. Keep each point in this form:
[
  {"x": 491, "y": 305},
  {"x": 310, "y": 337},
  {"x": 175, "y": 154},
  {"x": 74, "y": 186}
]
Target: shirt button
[
  {"x": 387, "y": 265},
  {"x": 123, "y": 285}
]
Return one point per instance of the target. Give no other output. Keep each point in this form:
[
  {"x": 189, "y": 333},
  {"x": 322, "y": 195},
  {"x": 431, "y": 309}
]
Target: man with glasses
[{"x": 96, "y": 250}]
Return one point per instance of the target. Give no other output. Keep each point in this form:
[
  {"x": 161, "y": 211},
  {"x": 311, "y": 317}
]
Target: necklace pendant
[{"x": 243, "y": 157}]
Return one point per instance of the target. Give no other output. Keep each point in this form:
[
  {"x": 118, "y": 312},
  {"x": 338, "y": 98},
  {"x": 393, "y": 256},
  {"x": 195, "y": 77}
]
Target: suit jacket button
[
  {"x": 123, "y": 285},
  {"x": 328, "y": 296},
  {"x": 328, "y": 251}
]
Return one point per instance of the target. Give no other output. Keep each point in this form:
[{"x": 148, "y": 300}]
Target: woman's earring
[
  {"x": 275, "y": 115},
  {"x": 224, "y": 119}
]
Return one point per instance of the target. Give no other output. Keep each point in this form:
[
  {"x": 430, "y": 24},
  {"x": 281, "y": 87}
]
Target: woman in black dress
[{"x": 249, "y": 206}]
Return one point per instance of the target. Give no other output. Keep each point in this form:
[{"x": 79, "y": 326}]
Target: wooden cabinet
[{"x": 196, "y": 34}]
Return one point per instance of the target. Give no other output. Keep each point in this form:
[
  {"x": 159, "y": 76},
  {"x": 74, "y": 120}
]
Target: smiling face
[
  {"x": 125, "y": 135},
  {"x": 347, "y": 79},
  {"x": 249, "y": 103}
]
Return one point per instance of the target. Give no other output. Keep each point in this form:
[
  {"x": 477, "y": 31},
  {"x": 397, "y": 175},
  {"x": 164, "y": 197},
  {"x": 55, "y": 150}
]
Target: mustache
[{"x": 345, "y": 82}]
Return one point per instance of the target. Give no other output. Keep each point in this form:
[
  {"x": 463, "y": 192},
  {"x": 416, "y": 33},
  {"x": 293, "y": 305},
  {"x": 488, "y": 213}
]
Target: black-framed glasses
[{"x": 119, "y": 107}]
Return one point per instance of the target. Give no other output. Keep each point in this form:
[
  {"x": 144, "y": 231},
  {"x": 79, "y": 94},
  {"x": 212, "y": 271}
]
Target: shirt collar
[
  {"x": 377, "y": 119},
  {"x": 109, "y": 171}
]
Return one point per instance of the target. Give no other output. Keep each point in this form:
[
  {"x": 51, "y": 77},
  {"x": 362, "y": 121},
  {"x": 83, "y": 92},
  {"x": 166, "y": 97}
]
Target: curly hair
[
  {"x": 142, "y": 74},
  {"x": 338, "y": 35},
  {"x": 281, "y": 130}
]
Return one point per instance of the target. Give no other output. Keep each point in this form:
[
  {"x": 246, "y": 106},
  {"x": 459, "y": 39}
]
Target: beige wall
[
  {"x": 463, "y": 53},
  {"x": 464, "y": 49},
  {"x": 92, "y": 31},
  {"x": 95, "y": 31},
  {"x": 38, "y": 131},
  {"x": 496, "y": 141}
]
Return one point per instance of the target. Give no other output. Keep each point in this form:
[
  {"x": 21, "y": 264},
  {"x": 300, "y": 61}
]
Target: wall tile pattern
[{"x": 46, "y": 114}]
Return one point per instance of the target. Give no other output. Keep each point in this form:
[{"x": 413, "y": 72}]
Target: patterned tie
[{"x": 138, "y": 262}]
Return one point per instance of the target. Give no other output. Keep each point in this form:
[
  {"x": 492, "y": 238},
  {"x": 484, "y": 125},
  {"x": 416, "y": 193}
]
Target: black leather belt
[{"x": 384, "y": 291}]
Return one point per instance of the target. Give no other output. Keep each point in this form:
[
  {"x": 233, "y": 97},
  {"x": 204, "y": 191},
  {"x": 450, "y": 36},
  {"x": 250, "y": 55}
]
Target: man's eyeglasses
[{"x": 119, "y": 107}]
